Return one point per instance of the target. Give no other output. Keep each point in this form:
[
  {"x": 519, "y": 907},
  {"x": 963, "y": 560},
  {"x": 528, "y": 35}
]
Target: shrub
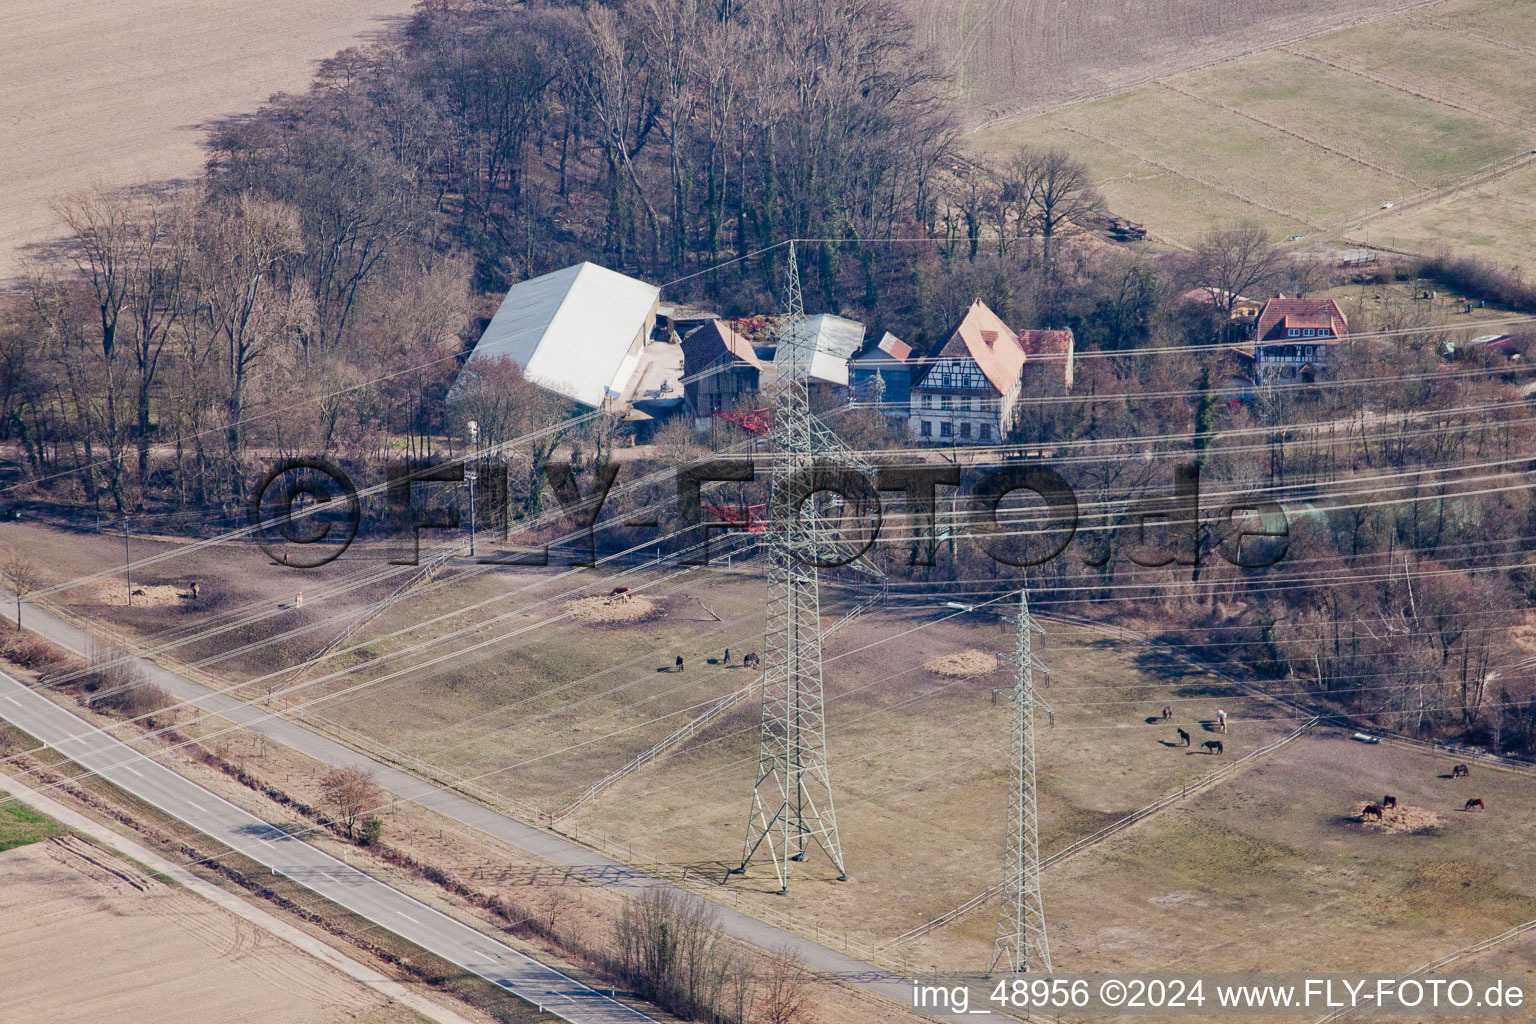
[{"x": 370, "y": 830}]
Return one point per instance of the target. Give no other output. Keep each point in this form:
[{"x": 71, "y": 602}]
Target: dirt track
[{"x": 117, "y": 91}]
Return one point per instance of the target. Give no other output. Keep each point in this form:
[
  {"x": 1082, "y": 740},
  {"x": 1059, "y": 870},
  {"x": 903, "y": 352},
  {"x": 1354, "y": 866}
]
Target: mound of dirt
[
  {"x": 622, "y": 609},
  {"x": 1401, "y": 819},
  {"x": 145, "y": 595},
  {"x": 962, "y": 665}
]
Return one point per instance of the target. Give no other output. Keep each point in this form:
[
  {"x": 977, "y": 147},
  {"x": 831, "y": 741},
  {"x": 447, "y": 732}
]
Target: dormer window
[
  {"x": 1309, "y": 332},
  {"x": 1292, "y": 333},
  {"x": 990, "y": 337}
]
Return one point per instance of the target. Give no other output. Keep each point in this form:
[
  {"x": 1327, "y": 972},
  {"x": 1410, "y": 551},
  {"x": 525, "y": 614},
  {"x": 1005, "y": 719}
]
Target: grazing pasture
[{"x": 1427, "y": 110}]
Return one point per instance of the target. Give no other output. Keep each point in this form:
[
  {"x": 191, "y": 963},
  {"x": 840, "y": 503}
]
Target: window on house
[
  {"x": 984, "y": 431},
  {"x": 1308, "y": 333},
  {"x": 944, "y": 402},
  {"x": 927, "y": 401},
  {"x": 925, "y": 428},
  {"x": 965, "y": 429},
  {"x": 1292, "y": 333},
  {"x": 973, "y": 404},
  {"x": 946, "y": 430}
]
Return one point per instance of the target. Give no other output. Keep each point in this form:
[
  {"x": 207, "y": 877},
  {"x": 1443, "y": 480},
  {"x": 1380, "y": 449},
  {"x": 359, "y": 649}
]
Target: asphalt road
[{"x": 338, "y": 882}]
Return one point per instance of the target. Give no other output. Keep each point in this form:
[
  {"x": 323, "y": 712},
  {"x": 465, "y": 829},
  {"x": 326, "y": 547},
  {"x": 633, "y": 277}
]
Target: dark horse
[
  {"x": 1388, "y": 801},
  {"x": 1474, "y": 802},
  {"x": 1461, "y": 771},
  {"x": 1184, "y": 736},
  {"x": 1214, "y": 746},
  {"x": 1370, "y": 811}
]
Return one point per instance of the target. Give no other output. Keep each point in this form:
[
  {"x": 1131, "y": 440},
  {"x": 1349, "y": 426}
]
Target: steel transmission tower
[
  {"x": 1021, "y": 943},
  {"x": 792, "y": 809}
]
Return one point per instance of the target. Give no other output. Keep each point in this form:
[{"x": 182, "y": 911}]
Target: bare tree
[
  {"x": 349, "y": 793},
  {"x": 1060, "y": 192},
  {"x": 21, "y": 575},
  {"x": 785, "y": 998},
  {"x": 1230, "y": 260}
]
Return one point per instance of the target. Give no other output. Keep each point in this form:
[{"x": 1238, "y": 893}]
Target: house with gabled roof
[
  {"x": 577, "y": 332},
  {"x": 720, "y": 369},
  {"x": 892, "y": 361},
  {"x": 1295, "y": 339},
  {"x": 967, "y": 390}
]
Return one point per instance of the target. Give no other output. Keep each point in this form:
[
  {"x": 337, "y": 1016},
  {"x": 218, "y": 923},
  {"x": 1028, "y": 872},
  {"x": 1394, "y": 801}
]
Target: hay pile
[
  {"x": 145, "y": 595},
  {"x": 624, "y": 608},
  {"x": 962, "y": 665},
  {"x": 1400, "y": 820}
]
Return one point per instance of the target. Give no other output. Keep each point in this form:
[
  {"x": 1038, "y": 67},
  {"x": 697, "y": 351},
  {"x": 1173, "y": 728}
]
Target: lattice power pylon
[
  {"x": 1021, "y": 943},
  {"x": 792, "y": 808}
]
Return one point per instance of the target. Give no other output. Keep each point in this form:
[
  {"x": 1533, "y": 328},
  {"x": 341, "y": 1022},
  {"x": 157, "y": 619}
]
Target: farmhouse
[
  {"x": 720, "y": 368},
  {"x": 1295, "y": 339},
  {"x": 968, "y": 390},
  {"x": 577, "y": 331},
  {"x": 884, "y": 370},
  {"x": 822, "y": 345}
]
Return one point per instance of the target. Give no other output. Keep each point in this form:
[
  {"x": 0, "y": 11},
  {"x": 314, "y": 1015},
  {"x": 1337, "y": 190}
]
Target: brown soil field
[
  {"x": 118, "y": 94},
  {"x": 144, "y": 950}
]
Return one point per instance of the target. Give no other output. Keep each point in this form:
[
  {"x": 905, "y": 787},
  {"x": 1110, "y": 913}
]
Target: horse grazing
[
  {"x": 1475, "y": 803},
  {"x": 1370, "y": 811},
  {"x": 1214, "y": 746},
  {"x": 1388, "y": 801},
  {"x": 1461, "y": 771},
  {"x": 1167, "y": 712},
  {"x": 1184, "y": 736}
]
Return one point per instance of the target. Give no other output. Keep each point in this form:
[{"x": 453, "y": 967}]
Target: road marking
[
  {"x": 194, "y": 806},
  {"x": 408, "y": 917},
  {"x": 13, "y": 700},
  {"x": 133, "y": 770}
]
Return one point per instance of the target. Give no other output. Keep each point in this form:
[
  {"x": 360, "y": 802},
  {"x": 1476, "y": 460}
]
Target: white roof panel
[
  {"x": 831, "y": 340},
  {"x": 570, "y": 330}
]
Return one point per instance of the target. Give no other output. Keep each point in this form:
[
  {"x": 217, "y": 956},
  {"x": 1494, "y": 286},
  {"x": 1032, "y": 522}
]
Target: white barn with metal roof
[{"x": 577, "y": 332}]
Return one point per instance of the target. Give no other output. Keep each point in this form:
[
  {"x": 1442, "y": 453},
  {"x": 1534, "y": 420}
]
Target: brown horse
[
  {"x": 1461, "y": 771},
  {"x": 1370, "y": 811},
  {"x": 1184, "y": 736},
  {"x": 1474, "y": 803},
  {"x": 1167, "y": 712},
  {"x": 1388, "y": 801},
  {"x": 1214, "y": 746}
]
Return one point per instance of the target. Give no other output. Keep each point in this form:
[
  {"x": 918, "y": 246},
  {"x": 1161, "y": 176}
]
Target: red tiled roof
[
  {"x": 1282, "y": 314},
  {"x": 1046, "y": 343},
  {"x": 895, "y": 347},
  {"x": 983, "y": 336}
]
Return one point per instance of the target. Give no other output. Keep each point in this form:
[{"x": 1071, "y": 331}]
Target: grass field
[
  {"x": 20, "y": 825},
  {"x": 1279, "y": 844},
  {"x": 545, "y": 702},
  {"x": 1012, "y": 55},
  {"x": 1426, "y": 110}
]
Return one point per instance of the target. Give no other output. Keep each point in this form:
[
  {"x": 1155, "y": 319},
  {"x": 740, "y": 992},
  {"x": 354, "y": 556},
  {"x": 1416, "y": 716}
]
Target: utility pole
[
  {"x": 1021, "y": 944},
  {"x": 127, "y": 562},
  {"x": 470, "y": 475},
  {"x": 792, "y": 808}
]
